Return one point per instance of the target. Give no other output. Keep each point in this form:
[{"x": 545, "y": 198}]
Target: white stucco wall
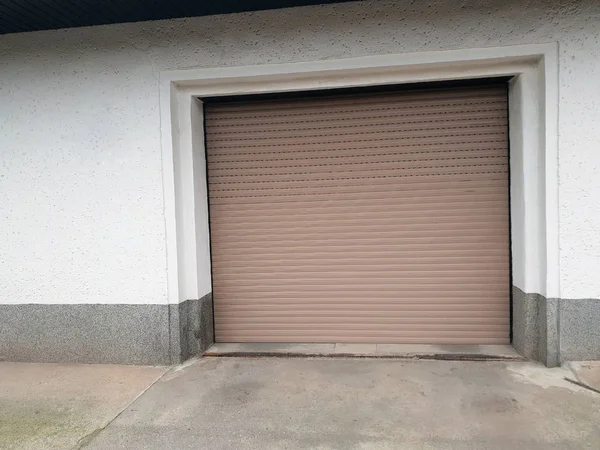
[{"x": 81, "y": 198}]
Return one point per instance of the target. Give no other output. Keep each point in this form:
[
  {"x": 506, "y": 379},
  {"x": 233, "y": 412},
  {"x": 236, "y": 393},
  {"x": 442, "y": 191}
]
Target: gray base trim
[
  {"x": 115, "y": 334},
  {"x": 579, "y": 322},
  {"x": 525, "y": 323},
  {"x": 555, "y": 330},
  {"x": 120, "y": 334},
  {"x": 196, "y": 331},
  {"x": 549, "y": 341}
]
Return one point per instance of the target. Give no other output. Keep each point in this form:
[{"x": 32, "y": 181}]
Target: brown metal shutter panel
[{"x": 362, "y": 218}]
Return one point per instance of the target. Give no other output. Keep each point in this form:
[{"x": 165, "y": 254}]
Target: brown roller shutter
[{"x": 361, "y": 218}]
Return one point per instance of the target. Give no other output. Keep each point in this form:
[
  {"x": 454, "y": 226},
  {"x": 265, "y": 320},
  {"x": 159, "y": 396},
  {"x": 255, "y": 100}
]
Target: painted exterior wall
[{"x": 80, "y": 156}]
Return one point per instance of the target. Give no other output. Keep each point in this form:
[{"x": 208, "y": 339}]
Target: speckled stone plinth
[{"x": 119, "y": 334}]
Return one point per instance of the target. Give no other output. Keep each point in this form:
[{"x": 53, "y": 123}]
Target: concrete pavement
[
  {"x": 318, "y": 403},
  {"x": 587, "y": 373},
  {"x": 54, "y": 406}
]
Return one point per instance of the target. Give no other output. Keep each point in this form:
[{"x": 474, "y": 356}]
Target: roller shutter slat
[
  {"x": 359, "y": 102},
  {"x": 361, "y": 218}
]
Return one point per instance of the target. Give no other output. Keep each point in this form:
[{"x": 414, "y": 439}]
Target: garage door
[{"x": 363, "y": 217}]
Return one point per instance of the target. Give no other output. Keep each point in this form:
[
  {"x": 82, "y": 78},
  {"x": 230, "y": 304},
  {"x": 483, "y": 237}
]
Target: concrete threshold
[{"x": 389, "y": 351}]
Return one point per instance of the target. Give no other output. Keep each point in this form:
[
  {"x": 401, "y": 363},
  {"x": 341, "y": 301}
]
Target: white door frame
[{"x": 533, "y": 119}]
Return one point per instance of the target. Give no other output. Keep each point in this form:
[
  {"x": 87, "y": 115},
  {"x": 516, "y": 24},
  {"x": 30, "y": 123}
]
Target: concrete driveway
[
  {"x": 54, "y": 406},
  {"x": 298, "y": 403}
]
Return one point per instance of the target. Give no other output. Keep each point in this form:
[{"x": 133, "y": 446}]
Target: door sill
[{"x": 384, "y": 351}]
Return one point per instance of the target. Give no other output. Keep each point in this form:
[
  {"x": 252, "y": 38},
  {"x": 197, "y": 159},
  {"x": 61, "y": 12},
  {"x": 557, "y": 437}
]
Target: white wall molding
[{"x": 534, "y": 145}]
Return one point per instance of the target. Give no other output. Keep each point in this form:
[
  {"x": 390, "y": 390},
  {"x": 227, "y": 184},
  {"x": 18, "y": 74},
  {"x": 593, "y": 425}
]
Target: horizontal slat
[
  {"x": 254, "y": 122},
  {"x": 234, "y": 314},
  {"x": 282, "y": 167},
  {"x": 241, "y": 308},
  {"x": 358, "y": 267},
  {"x": 351, "y": 205},
  {"x": 260, "y": 278},
  {"x": 428, "y": 335},
  {"x": 243, "y": 269},
  {"x": 302, "y": 111},
  {"x": 369, "y": 252},
  {"x": 279, "y": 169},
  {"x": 403, "y": 129},
  {"x": 440, "y": 222},
  {"x": 401, "y": 185},
  {"x": 334, "y": 181},
  {"x": 440, "y": 141},
  {"x": 409, "y": 195},
  {"x": 322, "y": 233},
  {"x": 354, "y": 338},
  {"x": 241, "y": 176},
  {"x": 381, "y": 328},
  {"x": 492, "y": 132},
  {"x": 436, "y": 228},
  {"x": 348, "y": 179},
  {"x": 335, "y": 292},
  {"x": 368, "y": 259},
  {"x": 320, "y": 241},
  {"x": 361, "y": 194},
  {"x": 299, "y": 110},
  {"x": 482, "y": 322},
  {"x": 267, "y": 282},
  {"x": 371, "y": 255},
  {"x": 374, "y": 171},
  {"x": 336, "y": 284},
  {"x": 471, "y": 202},
  {"x": 235, "y": 310},
  {"x": 418, "y": 98},
  {"x": 321, "y": 339},
  {"x": 367, "y": 244},
  {"x": 391, "y": 306},
  {"x": 290, "y": 230},
  {"x": 250, "y": 123},
  {"x": 425, "y": 147}
]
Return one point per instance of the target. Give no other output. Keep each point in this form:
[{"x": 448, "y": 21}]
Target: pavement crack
[
  {"x": 583, "y": 385},
  {"x": 85, "y": 440}
]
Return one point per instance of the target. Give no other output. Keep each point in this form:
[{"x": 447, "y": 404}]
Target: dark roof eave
[{"x": 20, "y": 16}]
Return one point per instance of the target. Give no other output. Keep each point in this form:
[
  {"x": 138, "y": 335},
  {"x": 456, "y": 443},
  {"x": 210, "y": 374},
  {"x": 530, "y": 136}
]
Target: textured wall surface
[{"x": 80, "y": 161}]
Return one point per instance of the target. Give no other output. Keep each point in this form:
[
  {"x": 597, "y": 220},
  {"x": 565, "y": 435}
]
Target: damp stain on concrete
[
  {"x": 55, "y": 406},
  {"x": 33, "y": 426}
]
